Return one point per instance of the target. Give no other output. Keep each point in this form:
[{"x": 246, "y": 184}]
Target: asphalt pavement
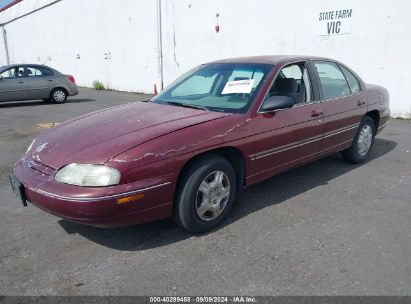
[{"x": 327, "y": 228}]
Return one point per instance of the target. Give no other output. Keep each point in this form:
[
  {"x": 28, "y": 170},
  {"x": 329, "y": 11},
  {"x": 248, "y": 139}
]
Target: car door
[
  {"x": 343, "y": 104},
  {"x": 288, "y": 137},
  {"x": 39, "y": 80},
  {"x": 12, "y": 85}
]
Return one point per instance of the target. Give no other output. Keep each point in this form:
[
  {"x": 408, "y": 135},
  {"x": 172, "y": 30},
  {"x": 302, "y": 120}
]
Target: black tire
[
  {"x": 352, "y": 154},
  {"x": 186, "y": 201},
  {"x": 58, "y": 95}
]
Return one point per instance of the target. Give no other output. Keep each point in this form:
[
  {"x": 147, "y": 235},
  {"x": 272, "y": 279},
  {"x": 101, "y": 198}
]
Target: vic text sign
[{"x": 336, "y": 22}]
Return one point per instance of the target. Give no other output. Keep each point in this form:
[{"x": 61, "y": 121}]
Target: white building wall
[
  {"x": 376, "y": 46},
  {"x": 92, "y": 40}
]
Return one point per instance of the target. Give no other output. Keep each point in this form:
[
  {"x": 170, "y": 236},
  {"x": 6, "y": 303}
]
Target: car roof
[
  {"x": 271, "y": 59},
  {"x": 10, "y": 66}
]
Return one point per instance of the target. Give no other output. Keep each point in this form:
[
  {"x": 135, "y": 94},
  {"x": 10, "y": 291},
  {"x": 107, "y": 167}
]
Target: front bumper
[{"x": 97, "y": 206}]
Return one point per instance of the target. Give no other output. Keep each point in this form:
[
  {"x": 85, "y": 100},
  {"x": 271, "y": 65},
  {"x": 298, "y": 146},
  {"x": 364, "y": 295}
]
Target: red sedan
[{"x": 223, "y": 126}]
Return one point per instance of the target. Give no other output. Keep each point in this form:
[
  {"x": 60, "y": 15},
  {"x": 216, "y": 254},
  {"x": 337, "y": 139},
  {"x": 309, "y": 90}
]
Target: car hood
[{"x": 97, "y": 137}]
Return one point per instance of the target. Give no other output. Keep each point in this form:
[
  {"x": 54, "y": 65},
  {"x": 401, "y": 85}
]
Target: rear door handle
[
  {"x": 50, "y": 80},
  {"x": 360, "y": 103},
  {"x": 316, "y": 113},
  {"x": 21, "y": 81}
]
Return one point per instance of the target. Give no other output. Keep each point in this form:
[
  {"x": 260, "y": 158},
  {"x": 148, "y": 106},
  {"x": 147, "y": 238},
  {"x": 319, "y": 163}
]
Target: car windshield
[{"x": 223, "y": 87}]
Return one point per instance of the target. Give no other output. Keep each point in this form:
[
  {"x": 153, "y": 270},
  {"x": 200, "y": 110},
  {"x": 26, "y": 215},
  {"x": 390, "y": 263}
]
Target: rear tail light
[{"x": 71, "y": 78}]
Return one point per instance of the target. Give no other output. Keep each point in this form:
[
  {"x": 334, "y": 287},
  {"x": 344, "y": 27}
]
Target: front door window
[
  {"x": 8, "y": 74},
  {"x": 293, "y": 81}
]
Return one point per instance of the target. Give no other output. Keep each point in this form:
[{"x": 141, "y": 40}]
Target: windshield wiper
[{"x": 186, "y": 105}]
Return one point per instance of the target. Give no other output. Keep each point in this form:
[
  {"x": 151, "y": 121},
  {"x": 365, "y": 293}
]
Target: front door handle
[
  {"x": 50, "y": 80},
  {"x": 316, "y": 113},
  {"x": 360, "y": 103},
  {"x": 21, "y": 81}
]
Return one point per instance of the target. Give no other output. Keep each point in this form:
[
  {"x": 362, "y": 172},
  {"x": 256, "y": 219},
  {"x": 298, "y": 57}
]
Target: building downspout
[
  {"x": 6, "y": 47},
  {"x": 160, "y": 44}
]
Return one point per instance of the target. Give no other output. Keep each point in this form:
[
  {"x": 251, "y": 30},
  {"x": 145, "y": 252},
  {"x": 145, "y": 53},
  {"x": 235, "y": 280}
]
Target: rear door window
[
  {"x": 38, "y": 72},
  {"x": 333, "y": 82}
]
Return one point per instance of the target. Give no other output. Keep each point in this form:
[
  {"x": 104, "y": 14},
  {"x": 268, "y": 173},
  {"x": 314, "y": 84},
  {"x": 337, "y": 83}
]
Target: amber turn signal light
[{"x": 129, "y": 199}]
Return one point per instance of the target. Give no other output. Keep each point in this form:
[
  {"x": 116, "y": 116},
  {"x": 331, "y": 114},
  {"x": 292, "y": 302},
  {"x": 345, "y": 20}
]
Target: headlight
[{"x": 88, "y": 175}]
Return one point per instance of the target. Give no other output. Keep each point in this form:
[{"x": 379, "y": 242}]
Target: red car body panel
[
  {"x": 150, "y": 144},
  {"x": 97, "y": 137}
]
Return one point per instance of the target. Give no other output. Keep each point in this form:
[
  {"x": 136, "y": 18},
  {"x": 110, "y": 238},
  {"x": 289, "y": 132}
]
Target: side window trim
[
  {"x": 315, "y": 81},
  {"x": 310, "y": 83},
  {"x": 355, "y": 76},
  {"x": 16, "y": 73},
  {"x": 25, "y": 73},
  {"x": 346, "y": 79},
  {"x": 307, "y": 85},
  {"x": 26, "y": 69}
]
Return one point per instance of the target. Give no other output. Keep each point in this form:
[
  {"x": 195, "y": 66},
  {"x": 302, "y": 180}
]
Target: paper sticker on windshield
[{"x": 238, "y": 86}]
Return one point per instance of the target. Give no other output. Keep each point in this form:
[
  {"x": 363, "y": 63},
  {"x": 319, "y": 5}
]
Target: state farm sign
[{"x": 336, "y": 22}]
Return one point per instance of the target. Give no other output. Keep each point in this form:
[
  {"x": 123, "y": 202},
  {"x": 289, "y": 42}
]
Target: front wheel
[
  {"x": 362, "y": 142},
  {"x": 205, "y": 195}
]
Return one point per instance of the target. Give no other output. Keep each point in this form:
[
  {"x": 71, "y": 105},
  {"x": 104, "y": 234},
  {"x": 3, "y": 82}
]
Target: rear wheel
[
  {"x": 362, "y": 142},
  {"x": 58, "y": 96},
  {"x": 205, "y": 194}
]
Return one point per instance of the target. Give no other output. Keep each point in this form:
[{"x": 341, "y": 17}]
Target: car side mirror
[{"x": 276, "y": 103}]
